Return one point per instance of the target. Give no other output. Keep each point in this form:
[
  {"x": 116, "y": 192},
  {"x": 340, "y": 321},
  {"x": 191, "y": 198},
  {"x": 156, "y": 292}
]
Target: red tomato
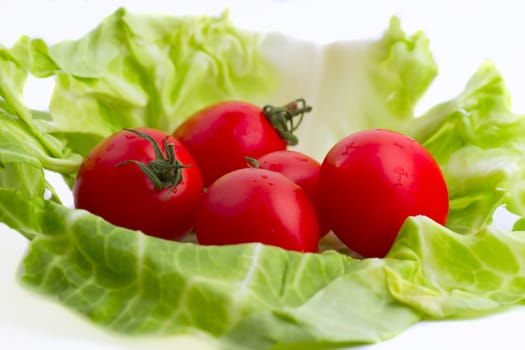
[
  {"x": 257, "y": 205},
  {"x": 372, "y": 181},
  {"x": 222, "y": 135},
  {"x": 301, "y": 169},
  {"x": 110, "y": 183}
]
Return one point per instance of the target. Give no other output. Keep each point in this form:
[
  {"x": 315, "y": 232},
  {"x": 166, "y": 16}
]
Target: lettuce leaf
[
  {"x": 136, "y": 70},
  {"x": 478, "y": 142},
  {"x": 137, "y": 284},
  {"x": 148, "y": 70},
  {"x": 351, "y": 85},
  {"x": 26, "y": 146},
  {"x": 457, "y": 275}
]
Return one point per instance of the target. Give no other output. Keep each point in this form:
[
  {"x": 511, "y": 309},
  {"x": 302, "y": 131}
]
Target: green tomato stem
[
  {"x": 164, "y": 171},
  {"x": 283, "y": 118}
]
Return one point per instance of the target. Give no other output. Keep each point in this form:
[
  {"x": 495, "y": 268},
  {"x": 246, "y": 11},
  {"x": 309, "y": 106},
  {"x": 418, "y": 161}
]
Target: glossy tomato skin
[
  {"x": 124, "y": 195},
  {"x": 257, "y": 205},
  {"x": 301, "y": 169},
  {"x": 220, "y": 137},
  {"x": 372, "y": 181}
]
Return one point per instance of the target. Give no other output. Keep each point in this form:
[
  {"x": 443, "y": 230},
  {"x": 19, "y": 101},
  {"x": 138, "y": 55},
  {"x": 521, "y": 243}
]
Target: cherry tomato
[
  {"x": 257, "y": 205},
  {"x": 301, "y": 169},
  {"x": 141, "y": 179},
  {"x": 220, "y": 136},
  {"x": 372, "y": 181}
]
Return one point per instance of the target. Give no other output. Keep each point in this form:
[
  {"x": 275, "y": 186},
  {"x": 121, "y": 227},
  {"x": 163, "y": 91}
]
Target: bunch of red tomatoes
[{"x": 227, "y": 174}]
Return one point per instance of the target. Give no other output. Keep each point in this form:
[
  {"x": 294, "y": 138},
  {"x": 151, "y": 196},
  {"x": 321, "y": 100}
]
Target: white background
[{"x": 462, "y": 34}]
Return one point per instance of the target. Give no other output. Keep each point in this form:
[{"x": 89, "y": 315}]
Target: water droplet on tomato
[
  {"x": 349, "y": 148},
  {"x": 111, "y": 147},
  {"x": 397, "y": 144}
]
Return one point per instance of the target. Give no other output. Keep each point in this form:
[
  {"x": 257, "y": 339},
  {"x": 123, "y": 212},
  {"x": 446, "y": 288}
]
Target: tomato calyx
[
  {"x": 283, "y": 118},
  {"x": 252, "y": 162},
  {"x": 164, "y": 171}
]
